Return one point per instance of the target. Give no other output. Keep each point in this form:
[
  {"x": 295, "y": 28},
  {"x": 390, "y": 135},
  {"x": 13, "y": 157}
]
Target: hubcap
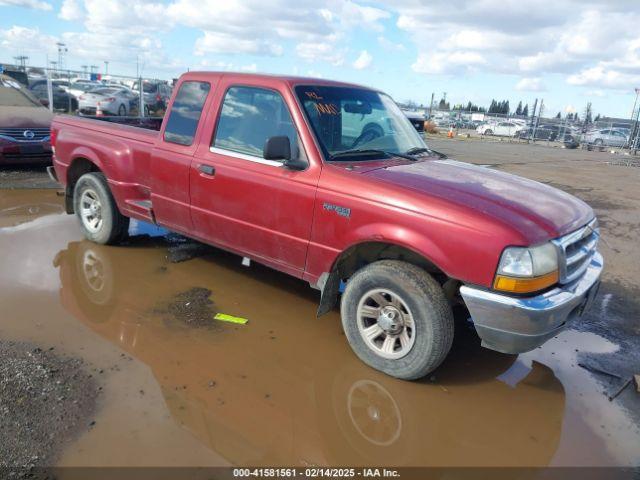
[
  {"x": 386, "y": 323},
  {"x": 91, "y": 210}
]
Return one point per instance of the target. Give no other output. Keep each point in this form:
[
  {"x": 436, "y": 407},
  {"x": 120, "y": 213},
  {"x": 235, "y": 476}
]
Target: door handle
[{"x": 207, "y": 170}]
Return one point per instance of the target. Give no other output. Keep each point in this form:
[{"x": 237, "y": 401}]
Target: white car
[
  {"x": 109, "y": 100},
  {"x": 81, "y": 87},
  {"x": 606, "y": 137},
  {"x": 504, "y": 129}
]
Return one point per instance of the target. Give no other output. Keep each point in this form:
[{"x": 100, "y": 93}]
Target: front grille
[
  {"x": 25, "y": 134},
  {"x": 576, "y": 250}
]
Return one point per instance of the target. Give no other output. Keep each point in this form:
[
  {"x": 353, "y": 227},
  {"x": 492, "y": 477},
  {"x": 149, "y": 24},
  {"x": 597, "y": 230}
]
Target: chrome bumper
[{"x": 519, "y": 324}]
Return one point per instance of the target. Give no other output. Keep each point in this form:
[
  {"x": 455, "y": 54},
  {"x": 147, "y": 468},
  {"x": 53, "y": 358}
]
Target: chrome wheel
[
  {"x": 91, "y": 210},
  {"x": 386, "y": 323}
]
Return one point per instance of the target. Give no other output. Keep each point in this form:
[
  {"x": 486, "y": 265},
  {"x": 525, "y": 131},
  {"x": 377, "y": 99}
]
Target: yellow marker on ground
[{"x": 223, "y": 317}]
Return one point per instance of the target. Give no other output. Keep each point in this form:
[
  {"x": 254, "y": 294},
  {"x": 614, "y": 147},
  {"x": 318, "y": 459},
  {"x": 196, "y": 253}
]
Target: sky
[{"x": 567, "y": 52}]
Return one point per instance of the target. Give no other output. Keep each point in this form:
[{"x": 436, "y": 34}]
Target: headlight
[{"x": 525, "y": 270}]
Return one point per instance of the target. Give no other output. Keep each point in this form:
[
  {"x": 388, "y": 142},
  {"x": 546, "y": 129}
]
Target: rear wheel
[
  {"x": 122, "y": 110},
  {"x": 488, "y": 132},
  {"x": 397, "y": 319},
  {"x": 97, "y": 211}
]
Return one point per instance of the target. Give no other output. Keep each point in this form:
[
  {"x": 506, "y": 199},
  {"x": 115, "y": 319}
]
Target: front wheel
[
  {"x": 397, "y": 319},
  {"x": 97, "y": 211}
]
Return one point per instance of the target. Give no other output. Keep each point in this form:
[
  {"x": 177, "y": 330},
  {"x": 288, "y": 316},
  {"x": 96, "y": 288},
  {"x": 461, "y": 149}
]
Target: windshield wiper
[
  {"x": 419, "y": 150},
  {"x": 358, "y": 151}
]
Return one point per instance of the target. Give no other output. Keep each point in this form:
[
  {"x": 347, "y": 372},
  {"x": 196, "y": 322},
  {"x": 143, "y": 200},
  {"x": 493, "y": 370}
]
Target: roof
[{"x": 290, "y": 80}]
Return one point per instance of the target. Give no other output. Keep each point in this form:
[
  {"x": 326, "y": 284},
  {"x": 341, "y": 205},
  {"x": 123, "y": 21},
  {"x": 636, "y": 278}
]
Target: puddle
[{"x": 284, "y": 389}]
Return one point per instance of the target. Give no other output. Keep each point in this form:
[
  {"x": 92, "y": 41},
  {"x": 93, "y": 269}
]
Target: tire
[
  {"x": 598, "y": 142},
  {"x": 488, "y": 132},
  {"x": 97, "y": 211},
  {"x": 413, "y": 298},
  {"x": 122, "y": 110}
]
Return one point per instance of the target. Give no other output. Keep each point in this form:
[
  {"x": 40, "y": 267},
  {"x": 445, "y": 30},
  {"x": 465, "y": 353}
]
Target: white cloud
[
  {"x": 534, "y": 84},
  {"x": 325, "y": 52},
  {"x": 600, "y": 76},
  {"x": 71, "y": 10},
  {"x": 34, "y": 4},
  {"x": 390, "y": 46},
  {"x": 445, "y": 63},
  {"x": 24, "y": 39},
  {"x": 363, "y": 61},
  {"x": 213, "y": 42},
  {"x": 570, "y": 38}
]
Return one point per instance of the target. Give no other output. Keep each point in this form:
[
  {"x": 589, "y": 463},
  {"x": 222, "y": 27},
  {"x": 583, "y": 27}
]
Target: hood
[
  {"x": 539, "y": 212},
  {"x": 25, "y": 117}
]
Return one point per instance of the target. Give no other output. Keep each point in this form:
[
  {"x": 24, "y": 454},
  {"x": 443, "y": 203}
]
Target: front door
[{"x": 240, "y": 200}]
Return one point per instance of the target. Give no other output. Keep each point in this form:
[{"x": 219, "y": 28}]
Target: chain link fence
[
  {"x": 570, "y": 132},
  {"x": 94, "y": 94}
]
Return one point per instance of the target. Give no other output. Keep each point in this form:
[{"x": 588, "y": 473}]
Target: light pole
[
  {"x": 635, "y": 131},
  {"x": 106, "y": 67}
]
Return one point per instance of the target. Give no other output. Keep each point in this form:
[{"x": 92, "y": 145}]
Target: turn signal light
[{"x": 504, "y": 283}]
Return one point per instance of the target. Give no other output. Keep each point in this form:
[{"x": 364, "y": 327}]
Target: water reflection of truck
[{"x": 285, "y": 402}]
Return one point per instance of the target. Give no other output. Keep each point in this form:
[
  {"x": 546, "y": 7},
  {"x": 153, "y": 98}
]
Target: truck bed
[{"x": 121, "y": 151}]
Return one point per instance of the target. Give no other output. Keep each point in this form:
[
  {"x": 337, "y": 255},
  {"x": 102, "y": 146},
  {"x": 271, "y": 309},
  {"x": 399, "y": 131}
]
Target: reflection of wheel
[
  {"x": 122, "y": 110},
  {"x": 598, "y": 142},
  {"x": 374, "y": 413},
  {"x": 95, "y": 276},
  {"x": 99, "y": 216},
  {"x": 366, "y": 418},
  {"x": 397, "y": 319}
]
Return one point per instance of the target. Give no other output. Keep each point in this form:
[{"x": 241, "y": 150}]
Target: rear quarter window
[{"x": 185, "y": 113}]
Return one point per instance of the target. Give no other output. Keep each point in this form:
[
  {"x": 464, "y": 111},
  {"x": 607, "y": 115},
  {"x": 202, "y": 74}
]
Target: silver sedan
[{"x": 108, "y": 100}]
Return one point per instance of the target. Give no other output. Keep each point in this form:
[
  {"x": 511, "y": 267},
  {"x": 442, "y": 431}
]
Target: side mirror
[{"x": 279, "y": 148}]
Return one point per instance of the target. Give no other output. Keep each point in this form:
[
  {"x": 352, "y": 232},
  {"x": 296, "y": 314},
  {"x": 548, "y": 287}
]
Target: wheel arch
[
  {"x": 365, "y": 252},
  {"x": 78, "y": 167}
]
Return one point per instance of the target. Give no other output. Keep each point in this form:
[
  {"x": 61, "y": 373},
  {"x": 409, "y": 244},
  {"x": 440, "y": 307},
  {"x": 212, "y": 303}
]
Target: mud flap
[{"x": 329, "y": 294}]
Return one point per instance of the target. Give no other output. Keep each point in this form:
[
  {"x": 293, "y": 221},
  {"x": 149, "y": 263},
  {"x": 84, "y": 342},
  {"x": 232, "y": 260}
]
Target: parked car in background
[
  {"x": 108, "y": 100},
  {"x": 606, "y": 137},
  {"x": 504, "y": 129},
  {"x": 78, "y": 88},
  {"x": 63, "y": 101},
  {"x": 156, "y": 95},
  {"x": 416, "y": 118},
  {"x": 24, "y": 125},
  {"x": 18, "y": 75}
]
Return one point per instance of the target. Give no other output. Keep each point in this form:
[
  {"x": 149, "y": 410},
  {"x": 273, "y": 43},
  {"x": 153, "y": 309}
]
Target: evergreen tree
[
  {"x": 519, "y": 108},
  {"x": 525, "y": 110},
  {"x": 559, "y": 115},
  {"x": 597, "y": 119}
]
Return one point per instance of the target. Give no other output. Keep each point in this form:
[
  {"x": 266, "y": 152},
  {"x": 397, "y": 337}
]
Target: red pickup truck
[{"x": 331, "y": 183}]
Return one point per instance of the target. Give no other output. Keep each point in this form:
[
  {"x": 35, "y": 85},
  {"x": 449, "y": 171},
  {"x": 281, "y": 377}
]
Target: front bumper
[{"x": 520, "y": 324}]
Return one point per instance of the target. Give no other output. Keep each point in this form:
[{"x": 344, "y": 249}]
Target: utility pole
[
  {"x": 431, "y": 105},
  {"x": 106, "y": 67},
  {"x": 634, "y": 138},
  {"x": 62, "y": 50},
  {"x": 537, "y": 119},
  {"x": 22, "y": 61}
]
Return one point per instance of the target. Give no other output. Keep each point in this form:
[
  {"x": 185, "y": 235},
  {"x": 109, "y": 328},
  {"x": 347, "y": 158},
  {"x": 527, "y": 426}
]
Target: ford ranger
[{"x": 329, "y": 182}]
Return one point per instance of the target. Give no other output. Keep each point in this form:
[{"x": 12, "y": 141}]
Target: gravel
[{"x": 46, "y": 400}]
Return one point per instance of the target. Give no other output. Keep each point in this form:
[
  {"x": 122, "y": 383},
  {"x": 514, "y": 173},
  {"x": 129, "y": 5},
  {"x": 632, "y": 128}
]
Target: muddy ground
[{"x": 178, "y": 388}]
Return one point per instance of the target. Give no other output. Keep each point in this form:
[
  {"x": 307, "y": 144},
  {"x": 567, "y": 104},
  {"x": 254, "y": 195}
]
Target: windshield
[{"x": 350, "y": 122}]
